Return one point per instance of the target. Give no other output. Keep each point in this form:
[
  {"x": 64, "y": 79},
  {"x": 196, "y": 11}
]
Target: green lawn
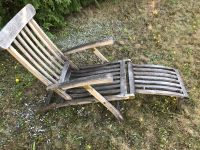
[{"x": 167, "y": 33}]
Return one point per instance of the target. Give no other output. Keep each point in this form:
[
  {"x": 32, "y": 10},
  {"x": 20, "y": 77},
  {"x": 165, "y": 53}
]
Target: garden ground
[{"x": 165, "y": 32}]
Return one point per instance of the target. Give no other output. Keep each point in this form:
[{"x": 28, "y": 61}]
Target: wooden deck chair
[{"x": 25, "y": 40}]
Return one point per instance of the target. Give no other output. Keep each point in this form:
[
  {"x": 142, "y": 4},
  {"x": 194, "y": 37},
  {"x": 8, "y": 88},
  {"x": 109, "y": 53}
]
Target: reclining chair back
[{"x": 24, "y": 39}]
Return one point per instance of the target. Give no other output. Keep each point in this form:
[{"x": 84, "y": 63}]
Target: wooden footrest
[{"x": 157, "y": 80}]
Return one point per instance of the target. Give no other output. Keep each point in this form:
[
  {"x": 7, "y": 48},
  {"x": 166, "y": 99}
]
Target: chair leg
[
  {"x": 117, "y": 105},
  {"x": 48, "y": 99},
  {"x": 102, "y": 100},
  {"x": 179, "y": 103}
]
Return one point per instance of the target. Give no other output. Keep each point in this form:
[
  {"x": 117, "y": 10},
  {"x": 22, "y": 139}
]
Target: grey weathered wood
[
  {"x": 98, "y": 72},
  {"x": 104, "y": 101},
  {"x": 89, "y": 46},
  {"x": 123, "y": 85},
  {"x": 104, "y": 93},
  {"x": 156, "y": 78},
  {"x": 29, "y": 49},
  {"x": 158, "y": 87},
  {"x": 97, "y": 79},
  {"x": 152, "y": 66},
  {"x": 147, "y": 82},
  {"x": 159, "y": 92},
  {"x": 106, "y": 67},
  {"x": 44, "y": 50},
  {"x": 181, "y": 83},
  {"x": 154, "y": 70},
  {"x": 39, "y": 53},
  {"x": 28, "y": 66},
  {"x": 64, "y": 72},
  {"x": 15, "y": 25},
  {"x": 82, "y": 101},
  {"x": 156, "y": 74},
  {"x": 131, "y": 78},
  {"x": 33, "y": 61},
  {"x": 100, "y": 88},
  {"x": 40, "y": 35}
]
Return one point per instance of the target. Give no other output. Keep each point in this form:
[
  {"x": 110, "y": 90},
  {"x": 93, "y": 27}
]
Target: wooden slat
[
  {"x": 33, "y": 61},
  {"x": 98, "y": 68},
  {"x": 80, "y": 82},
  {"x": 157, "y": 83},
  {"x": 155, "y": 78},
  {"x": 123, "y": 85},
  {"x": 99, "y": 65},
  {"x": 64, "y": 72},
  {"x": 159, "y": 92},
  {"x": 51, "y": 44},
  {"x": 39, "y": 52},
  {"x": 131, "y": 78},
  {"x": 104, "y": 93},
  {"x": 158, "y": 87},
  {"x": 98, "y": 54},
  {"x": 99, "y": 89},
  {"x": 35, "y": 56},
  {"x": 154, "y": 70},
  {"x": 81, "y": 101},
  {"x": 42, "y": 47},
  {"x": 15, "y": 25},
  {"x": 152, "y": 66},
  {"x": 97, "y": 72},
  {"x": 89, "y": 46},
  {"x": 106, "y": 103},
  {"x": 156, "y": 74},
  {"x": 39, "y": 35},
  {"x": 28, "y": 66}
]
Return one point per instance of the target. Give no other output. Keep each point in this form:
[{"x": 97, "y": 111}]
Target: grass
[{"x": 167, "y": 33}]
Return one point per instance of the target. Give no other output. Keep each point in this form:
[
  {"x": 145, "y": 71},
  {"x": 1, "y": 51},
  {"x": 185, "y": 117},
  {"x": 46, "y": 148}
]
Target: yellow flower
[{"x": 17, "y": 80}]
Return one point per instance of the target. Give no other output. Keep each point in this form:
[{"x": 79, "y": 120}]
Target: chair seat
[
  {"x": 110, "y": 89},
  {"x": 130, "y": 79}
]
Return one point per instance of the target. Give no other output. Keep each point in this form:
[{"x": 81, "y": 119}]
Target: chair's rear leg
[
  {"x": 117, "y": 105},
  {"x": 106, "y": 103},
  {"x": 49, "y": 97},
  {"x": 179, "y": 103}
]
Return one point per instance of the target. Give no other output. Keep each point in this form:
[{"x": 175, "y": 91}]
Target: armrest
[
  {"x": 80, "y": 82},
  {"x": 89, "y": 45}
]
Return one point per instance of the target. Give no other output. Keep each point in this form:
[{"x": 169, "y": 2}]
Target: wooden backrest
[{"x": 25, "y": 40}]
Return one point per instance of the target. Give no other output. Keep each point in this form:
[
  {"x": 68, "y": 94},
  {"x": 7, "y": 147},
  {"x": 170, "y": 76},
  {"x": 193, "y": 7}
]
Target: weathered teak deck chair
[{"x": 24, "y": 39}]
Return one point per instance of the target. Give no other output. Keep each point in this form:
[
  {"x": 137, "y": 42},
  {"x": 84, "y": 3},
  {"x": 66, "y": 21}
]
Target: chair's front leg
[{"x": 102, "y": 100}]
